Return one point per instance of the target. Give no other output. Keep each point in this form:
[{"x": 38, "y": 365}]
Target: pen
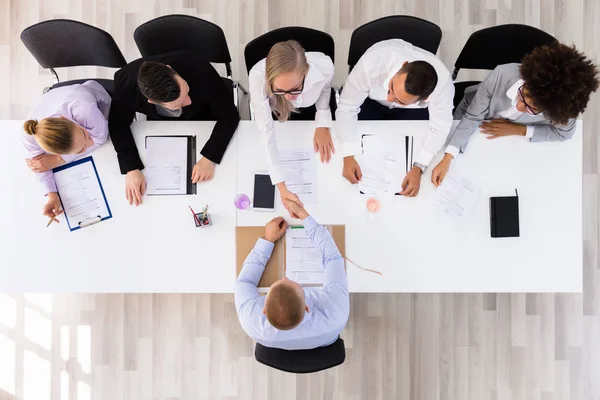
[
  {"x": 195, "y": 217},
  {"x": 51, "y": 221}
]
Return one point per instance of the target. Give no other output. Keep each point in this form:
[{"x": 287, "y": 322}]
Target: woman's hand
[
  {"x": 323, "y": 144},
  {"x": 287, "y": 195},
  {"x": 52, "y": 208},
  {"x": 44, "y": 162}
]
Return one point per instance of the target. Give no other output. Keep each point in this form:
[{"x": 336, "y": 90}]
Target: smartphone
[{"x": 264, "y": 193}]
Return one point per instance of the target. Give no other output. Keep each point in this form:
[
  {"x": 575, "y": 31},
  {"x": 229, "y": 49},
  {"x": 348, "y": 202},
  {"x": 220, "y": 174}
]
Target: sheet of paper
[
  {"x": 81, "y": 194},
  {"x": 457, "y": 196},
  {"x": 383, "y": 164},
  {"x": 300, "y": 170},
  {"x": 166, "y": 165},
  {"x": 303, "y": 260}
]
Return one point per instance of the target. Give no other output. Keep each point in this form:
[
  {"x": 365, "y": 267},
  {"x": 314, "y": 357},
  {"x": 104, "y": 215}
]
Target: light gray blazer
[{"x": 487, "y": 99}]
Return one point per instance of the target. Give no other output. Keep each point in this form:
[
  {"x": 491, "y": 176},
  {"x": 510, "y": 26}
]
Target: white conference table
[{"x": 156, "y": 248}]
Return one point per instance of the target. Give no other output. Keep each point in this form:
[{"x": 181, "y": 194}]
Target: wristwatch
[{"x": 422, "y": 167}]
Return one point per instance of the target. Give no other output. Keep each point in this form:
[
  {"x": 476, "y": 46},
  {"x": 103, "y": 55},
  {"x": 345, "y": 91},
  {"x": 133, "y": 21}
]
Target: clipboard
[
  {"x": 75, "y": 225},
  {"x": 191, "y": 188}
]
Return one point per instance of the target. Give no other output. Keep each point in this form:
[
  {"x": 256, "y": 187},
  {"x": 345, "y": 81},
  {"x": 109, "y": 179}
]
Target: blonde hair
[
  {"x": 52, "y": 134},
  {"x": 282, "y": 58}
]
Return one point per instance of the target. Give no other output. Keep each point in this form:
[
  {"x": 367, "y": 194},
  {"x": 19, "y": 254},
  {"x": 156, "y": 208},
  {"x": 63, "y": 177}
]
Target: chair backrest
[
  {"x": 61, "y": 43},
  {"x": 183, "y": 32},
  {"x": 310, "y": 39},
  {"x": 502, "y": 44},
  {"x": 302, "y": 361},
  {"x": 417, "y": 31}
]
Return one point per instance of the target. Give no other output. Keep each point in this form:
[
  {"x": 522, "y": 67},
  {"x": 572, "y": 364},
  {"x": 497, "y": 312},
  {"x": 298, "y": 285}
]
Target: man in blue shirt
[{"x": 291, "y": 317}]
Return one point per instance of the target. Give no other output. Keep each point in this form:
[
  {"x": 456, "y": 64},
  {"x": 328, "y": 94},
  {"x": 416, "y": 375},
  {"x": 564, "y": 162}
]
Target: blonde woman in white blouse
[{"x": 287, "y": 80}]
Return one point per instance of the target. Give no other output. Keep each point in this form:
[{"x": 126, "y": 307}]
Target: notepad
[
  {"x": 169, "y": 164},
  {"x": 504, "y": 217},
  {"x": 81, "y": 194}
]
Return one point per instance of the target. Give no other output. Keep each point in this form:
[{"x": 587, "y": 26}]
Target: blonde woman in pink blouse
[{"x": 68, "y": 123}]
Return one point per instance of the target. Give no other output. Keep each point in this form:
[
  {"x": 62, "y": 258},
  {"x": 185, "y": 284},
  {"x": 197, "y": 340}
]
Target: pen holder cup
[{"x": 204, "y": 221}]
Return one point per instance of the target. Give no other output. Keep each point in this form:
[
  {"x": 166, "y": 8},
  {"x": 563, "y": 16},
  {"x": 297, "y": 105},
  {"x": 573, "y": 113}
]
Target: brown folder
[{"x": 246, "y": 237}]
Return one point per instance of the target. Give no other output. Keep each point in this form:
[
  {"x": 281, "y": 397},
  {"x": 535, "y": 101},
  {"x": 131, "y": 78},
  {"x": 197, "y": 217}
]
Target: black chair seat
[
  {"x": 419, "y": 32},
  {"x": 302, "y": 361},
  {"x": 310, "y": 40},
  {"x": 107, "y": 84},
  {"x": 459, "y": 90}
]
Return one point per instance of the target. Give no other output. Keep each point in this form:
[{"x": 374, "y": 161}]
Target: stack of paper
[
  {"x": 166, "y": 164},
  {"x": 457, "y": 196},
  {"x": 303, "y": 260},
  {"x": 300, "y": 171},
  {"x": 383, "y": 163}
]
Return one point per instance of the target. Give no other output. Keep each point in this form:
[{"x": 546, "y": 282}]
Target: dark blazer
[{"x": 211, "y": 100}]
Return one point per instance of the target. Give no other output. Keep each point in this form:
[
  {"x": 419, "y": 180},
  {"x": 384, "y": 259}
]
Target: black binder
[
  {"x": 504, "y": 216},
  {"x": 191, "y": 159}
]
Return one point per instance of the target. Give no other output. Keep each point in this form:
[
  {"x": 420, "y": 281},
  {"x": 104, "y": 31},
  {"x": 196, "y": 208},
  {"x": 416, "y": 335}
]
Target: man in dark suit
[{"x": 171, "y": 86}]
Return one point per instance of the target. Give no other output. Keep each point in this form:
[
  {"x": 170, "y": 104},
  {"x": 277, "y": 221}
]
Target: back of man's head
[
  {"x": 421, "y": 78},
  {"x": 285, "y": 305},
  {"x": 157, "y": 82}
]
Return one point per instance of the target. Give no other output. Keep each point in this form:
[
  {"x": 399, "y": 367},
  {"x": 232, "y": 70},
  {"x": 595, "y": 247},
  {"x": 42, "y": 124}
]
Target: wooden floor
[{"x": 405, "y": 346}]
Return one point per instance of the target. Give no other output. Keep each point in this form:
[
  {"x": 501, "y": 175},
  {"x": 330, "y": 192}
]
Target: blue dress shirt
[{"x": 328, "y": 306}]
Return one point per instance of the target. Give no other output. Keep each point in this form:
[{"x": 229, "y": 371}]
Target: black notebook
[{"x": 504, "y": 216}]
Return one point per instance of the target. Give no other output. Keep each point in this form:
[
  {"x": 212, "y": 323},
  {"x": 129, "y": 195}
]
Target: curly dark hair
[
  {"x": 559, "y": 79},
  {"x": 157, "y": 82}
]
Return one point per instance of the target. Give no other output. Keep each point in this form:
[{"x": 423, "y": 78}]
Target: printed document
[
  {"x": 383, "y": 164},
  {"x": 303, "y": 260},
  {"x": 81, "y": 194},
  {"x": 166, "y": 164},
  {"x": 300, "y": 170},
  {"x": 457, "y": 196}
]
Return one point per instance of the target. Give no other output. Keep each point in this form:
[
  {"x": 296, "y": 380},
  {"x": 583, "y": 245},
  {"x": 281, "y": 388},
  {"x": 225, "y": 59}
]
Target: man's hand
[
  {"x": 296, "y": 210},
  {"x": 323, "y": 144},
  {"x": 135, "y": 187},
  {"x": 439, "y": 172},
  {"x": 501, "y": 127},
  {"x": 275, "y": 229},
  {"x": 411, "y": 183},
  {"x": 204, "y": 170},
  {"x": 52, "y": 207},
  {"x": 351, "y": 170},
  {"x": 44, "y": 162}
]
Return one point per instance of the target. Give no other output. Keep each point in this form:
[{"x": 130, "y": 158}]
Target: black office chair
[
  {"x": 309, "y": 39},
  {"x": 417, "y": 31},
  {"x": 184, "y": 32},
  {"x": 490, "y": 47},
  {"x": 61, "y": 43},
  {"x": 302, "y": 361}
]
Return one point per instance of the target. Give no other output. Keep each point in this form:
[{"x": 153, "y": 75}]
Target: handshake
[{"x": 277, "y": 226}]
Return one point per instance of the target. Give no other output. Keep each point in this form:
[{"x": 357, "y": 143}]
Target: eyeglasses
[
  {"x": 530, "y": 110},
  {"x": 294, "y": 92}
]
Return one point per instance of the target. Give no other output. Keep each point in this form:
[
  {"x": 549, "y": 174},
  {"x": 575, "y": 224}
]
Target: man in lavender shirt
[{"x": 66, "y": 124}]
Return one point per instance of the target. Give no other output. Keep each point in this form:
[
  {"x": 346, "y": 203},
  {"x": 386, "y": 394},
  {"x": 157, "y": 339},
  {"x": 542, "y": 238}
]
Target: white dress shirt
[
  {"x": 317, "y": 91},
  {"x": 370, "y": 78},
  {"x": 328, "y": 307},
  {"x": 511, "y": 114}
]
